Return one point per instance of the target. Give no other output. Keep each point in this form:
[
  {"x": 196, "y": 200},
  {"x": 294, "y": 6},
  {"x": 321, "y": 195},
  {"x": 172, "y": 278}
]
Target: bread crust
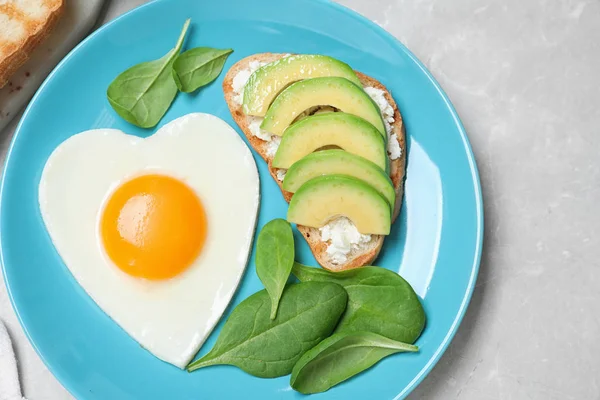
[
  {"x": 18, "y": 52},
  {"x": 312, "y": 235}
]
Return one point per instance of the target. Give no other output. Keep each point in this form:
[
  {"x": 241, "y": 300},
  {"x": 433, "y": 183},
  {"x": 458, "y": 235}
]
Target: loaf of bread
[
  {"x": 23, "y": 25},
  {"x": 367, "y": 252}
]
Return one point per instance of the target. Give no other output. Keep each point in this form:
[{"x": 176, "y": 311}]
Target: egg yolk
[{"x": 153, "y": 227}]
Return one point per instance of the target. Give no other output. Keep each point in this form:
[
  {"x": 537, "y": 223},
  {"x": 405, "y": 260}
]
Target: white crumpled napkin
[{"x": 9, "y": 378}]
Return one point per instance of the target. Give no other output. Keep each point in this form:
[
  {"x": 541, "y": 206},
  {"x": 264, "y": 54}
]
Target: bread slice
[
  {"x": 23, "y": 25},
  {"x": 367, "y": 253}
]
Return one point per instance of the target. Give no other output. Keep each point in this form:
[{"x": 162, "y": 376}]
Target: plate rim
[
  {"x": 392, "y": 40},
  {"x": 478, "y": 197}
]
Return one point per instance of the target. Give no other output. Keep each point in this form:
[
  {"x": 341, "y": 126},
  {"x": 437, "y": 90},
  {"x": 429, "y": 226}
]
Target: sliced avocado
[
  {"x": 339, "y": 162},
  {"x": 347, "y": 131},
  {"x": 332, "y": 91},
  {"x": 266, "y": 82},
  {"x": 324, "y": 198}
]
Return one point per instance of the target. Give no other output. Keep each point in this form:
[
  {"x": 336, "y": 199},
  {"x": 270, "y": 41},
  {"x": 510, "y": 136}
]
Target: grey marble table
[{"x": 525, "y": 79}]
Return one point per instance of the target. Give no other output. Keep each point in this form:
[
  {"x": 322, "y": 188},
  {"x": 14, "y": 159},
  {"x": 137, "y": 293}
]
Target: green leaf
[
  {"x": 143, "y": 93},
  {"x": 198, "y": 67},
  {"x": 340, "y": 357},
  {"x": 379, "y": 301},
  {"x": 250, "y": 340},
  {"x": 275, "y": 258}
]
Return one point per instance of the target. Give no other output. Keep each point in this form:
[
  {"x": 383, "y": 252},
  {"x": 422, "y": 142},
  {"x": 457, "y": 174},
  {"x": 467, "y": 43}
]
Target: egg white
[{"x": 170, "y": 318}]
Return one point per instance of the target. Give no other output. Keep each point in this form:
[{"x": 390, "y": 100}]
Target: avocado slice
[
  {"x": 324, "y": 198},
  {"x": 346, "y": 131},
  {"x": 334, "y": 162},
  {"x": 266, "y": 82},
  {"x": 330, "y": 91}
]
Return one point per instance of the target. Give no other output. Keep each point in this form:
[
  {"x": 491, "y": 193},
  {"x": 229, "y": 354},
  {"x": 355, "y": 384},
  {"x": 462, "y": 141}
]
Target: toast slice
[
  {"x": 23, "y": 25},
  {"x": 367, "y": 252}
]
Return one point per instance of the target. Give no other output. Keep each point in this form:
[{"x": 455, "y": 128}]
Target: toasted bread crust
[
  {"x": 16, "y": 53},
  {"x": 312, "y": 235}
]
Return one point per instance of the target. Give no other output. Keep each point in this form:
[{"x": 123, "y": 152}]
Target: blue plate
[{"x": 435, "y": 245}]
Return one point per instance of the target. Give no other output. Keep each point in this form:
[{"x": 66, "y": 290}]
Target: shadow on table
[{"x": 17, "y": 355}]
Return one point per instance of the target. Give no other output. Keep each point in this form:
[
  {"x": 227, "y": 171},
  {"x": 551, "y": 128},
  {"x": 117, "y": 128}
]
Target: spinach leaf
[
  {"x": 198, "y": 67},
  {"x": 340, "y": 357},
  {"x": 275, "y": 258},
  {"x": 267, "y": 348},
  {"x": 143, "y": 93},
  {"x": 379, "y": 301}
]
